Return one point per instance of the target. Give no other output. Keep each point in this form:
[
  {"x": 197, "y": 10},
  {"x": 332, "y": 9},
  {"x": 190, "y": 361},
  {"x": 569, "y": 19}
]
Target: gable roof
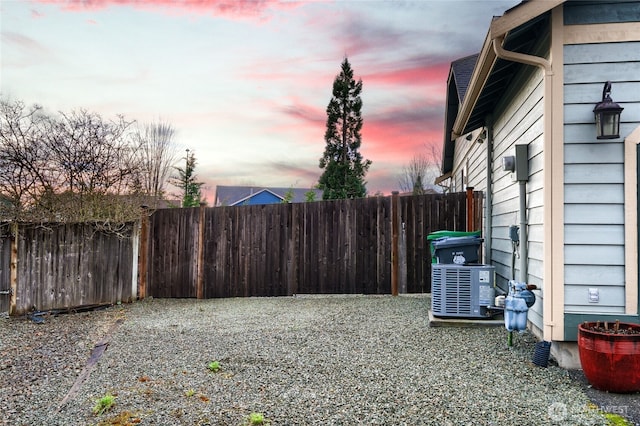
[
  {"x": 457, "y": 83},
  {"x": 518, "y": 29},
  {"x": 461, "y": 71},
  {"x": 236, "y": 195},
  {"x": 268, "y": 196}
]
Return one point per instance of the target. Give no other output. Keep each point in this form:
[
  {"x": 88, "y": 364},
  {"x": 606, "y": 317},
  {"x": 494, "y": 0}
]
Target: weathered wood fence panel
[
  {"x": 63, "y": 266},
  {"x": 324, "y": 247},
  {"x": 246, "y": 251},
  {"x": 341, "y": 246},
  {"x": 172, "y": 269},
  {"x": 422, "y": 215},
  {"x": 5, "y": 267}
]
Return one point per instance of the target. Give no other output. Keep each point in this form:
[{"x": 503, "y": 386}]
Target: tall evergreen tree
[
  {"x": 344, "y": 167},
  {"x": 186, "y": 181}
]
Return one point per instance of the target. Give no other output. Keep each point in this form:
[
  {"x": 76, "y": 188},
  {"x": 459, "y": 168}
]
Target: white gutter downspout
[
  {"x": 488, "y": 233},
  {"x": 548, "y": 93}
]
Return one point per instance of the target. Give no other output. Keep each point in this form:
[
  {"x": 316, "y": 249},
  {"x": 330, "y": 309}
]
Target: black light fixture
[{"x": 607, "y": 115}]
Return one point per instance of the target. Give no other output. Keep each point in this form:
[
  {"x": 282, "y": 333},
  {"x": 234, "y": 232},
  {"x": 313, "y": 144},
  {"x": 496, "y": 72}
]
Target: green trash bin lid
[
  {"x": 447, "y": 234},
  {"x": 444, "y": 234}
]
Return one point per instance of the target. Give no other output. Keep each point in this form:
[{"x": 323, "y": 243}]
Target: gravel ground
[{"x": 340, "y": 360}]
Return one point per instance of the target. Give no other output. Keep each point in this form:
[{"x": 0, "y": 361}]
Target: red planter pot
[{"x": 611, "y": 362}]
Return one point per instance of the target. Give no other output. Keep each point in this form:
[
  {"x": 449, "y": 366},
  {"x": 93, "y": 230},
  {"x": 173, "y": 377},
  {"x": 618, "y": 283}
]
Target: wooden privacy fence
[
  {"x": 343, "y": 246},
  {"x": 64, "y": 266},
  {"x": 371, "y": 245}
]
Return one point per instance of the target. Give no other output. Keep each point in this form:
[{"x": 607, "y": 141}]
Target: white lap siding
[
  {"x": 517, "y": 120},
  {"x": 520, "y": 121}
]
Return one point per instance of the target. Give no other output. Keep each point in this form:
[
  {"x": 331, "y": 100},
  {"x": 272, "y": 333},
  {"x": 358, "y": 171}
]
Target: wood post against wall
[
  {"x": 470, "y": 212},
  {"x": 143, "y": 258},
  {"x": 395, "y": 222},
  {"x": 13, "y": 268}
]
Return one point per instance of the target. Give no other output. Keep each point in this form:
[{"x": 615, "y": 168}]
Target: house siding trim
[
  {"x": 631, "y": 221},
  {"x": 553, "y": 284},
  {"x": 572, "y": 321},
  {"x": 601, "y": 33}
]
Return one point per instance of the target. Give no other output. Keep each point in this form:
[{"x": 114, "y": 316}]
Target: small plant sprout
[
  {"x": 214, "y": 366},
  {"x": 190, "y": 392},
  {"x": 257, "y": 419},
  {"x": 104, "y": 404}
]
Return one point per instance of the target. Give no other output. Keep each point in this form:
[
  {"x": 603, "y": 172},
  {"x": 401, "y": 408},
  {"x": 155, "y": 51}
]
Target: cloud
[
  {"x": 21, "y": 51},
  {"x": 227, "y": 8},
  {"x": 36, "y": 14},
  {"x": 281, "y": 172},
  {"x": 305, "y": 113},
  {"x": 24, "y": 42},
  {"x": 415, "y": 71}
]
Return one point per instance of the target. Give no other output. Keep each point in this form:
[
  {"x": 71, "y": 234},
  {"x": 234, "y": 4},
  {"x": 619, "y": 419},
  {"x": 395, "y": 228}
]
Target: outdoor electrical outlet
[{"x": 594, "y": 295}]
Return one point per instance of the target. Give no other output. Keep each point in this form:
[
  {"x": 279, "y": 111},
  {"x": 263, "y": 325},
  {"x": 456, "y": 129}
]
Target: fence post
[
  {"x": 200, "y": 258},
  {"x": 395, "y": 212},
  {"x": 470, "y": 212},
  {"x": 13, "y": 268},
  {"x": 143, "y": 258}
]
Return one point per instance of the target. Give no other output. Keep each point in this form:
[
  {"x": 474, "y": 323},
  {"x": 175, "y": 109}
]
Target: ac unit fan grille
[{"x": 456, "y": 290}]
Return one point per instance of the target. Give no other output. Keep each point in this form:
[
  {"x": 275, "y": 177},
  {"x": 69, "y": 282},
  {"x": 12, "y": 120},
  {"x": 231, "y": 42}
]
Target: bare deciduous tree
[
  {"x": 76, "y": 166},
  {"x": 92, "y": 155},
  {"x": 420, "y": 173},
  {"x": 22, "y": 171},
  {"x": 156, "y": 155}
]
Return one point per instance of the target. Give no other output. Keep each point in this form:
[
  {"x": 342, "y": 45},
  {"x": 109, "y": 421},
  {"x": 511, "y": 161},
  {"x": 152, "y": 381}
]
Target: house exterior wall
[
  {"x": 470, "y": 165},
  {"x": 262, "y": 197},
  {"x": 520, "y": 121},
  {"x": 599, "y": 46},
  {"x": 517, "y": 120},
  {"x": 582, "y": 192},
  {"x": 593, "y": 185}
]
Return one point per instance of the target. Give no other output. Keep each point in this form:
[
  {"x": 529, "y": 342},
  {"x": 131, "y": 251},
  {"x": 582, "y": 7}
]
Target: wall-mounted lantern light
[{"x": 607, "y": 115}]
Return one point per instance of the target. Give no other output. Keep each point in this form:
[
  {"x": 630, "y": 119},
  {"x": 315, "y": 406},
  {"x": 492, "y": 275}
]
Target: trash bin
[{"x": 454, "y": 246}]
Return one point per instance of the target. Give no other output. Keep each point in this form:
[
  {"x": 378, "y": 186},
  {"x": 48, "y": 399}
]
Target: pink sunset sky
[{"x": 246, "y": 83}]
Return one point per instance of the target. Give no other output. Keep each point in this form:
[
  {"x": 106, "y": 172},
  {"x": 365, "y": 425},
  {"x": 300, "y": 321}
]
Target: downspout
[
  {"x": 489, "y": 193},
  {"x": 546, "y": 66}
]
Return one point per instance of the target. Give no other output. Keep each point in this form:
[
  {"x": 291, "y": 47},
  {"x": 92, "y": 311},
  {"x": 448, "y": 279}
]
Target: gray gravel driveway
[{"x": 321, "y": 360}]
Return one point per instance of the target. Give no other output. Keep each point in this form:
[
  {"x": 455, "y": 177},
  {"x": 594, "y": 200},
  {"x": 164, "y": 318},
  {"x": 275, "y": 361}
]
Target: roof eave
[{"x": 500, "y": 26}]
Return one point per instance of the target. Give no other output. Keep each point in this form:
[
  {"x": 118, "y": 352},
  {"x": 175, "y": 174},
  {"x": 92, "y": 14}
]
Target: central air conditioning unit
[{"x": 463, "y": 291}]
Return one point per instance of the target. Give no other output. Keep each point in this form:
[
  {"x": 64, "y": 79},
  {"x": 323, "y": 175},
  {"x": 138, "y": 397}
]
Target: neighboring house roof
[
  {"x": 517, "y": 30},
  {"x": 238, "y": 195}
]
